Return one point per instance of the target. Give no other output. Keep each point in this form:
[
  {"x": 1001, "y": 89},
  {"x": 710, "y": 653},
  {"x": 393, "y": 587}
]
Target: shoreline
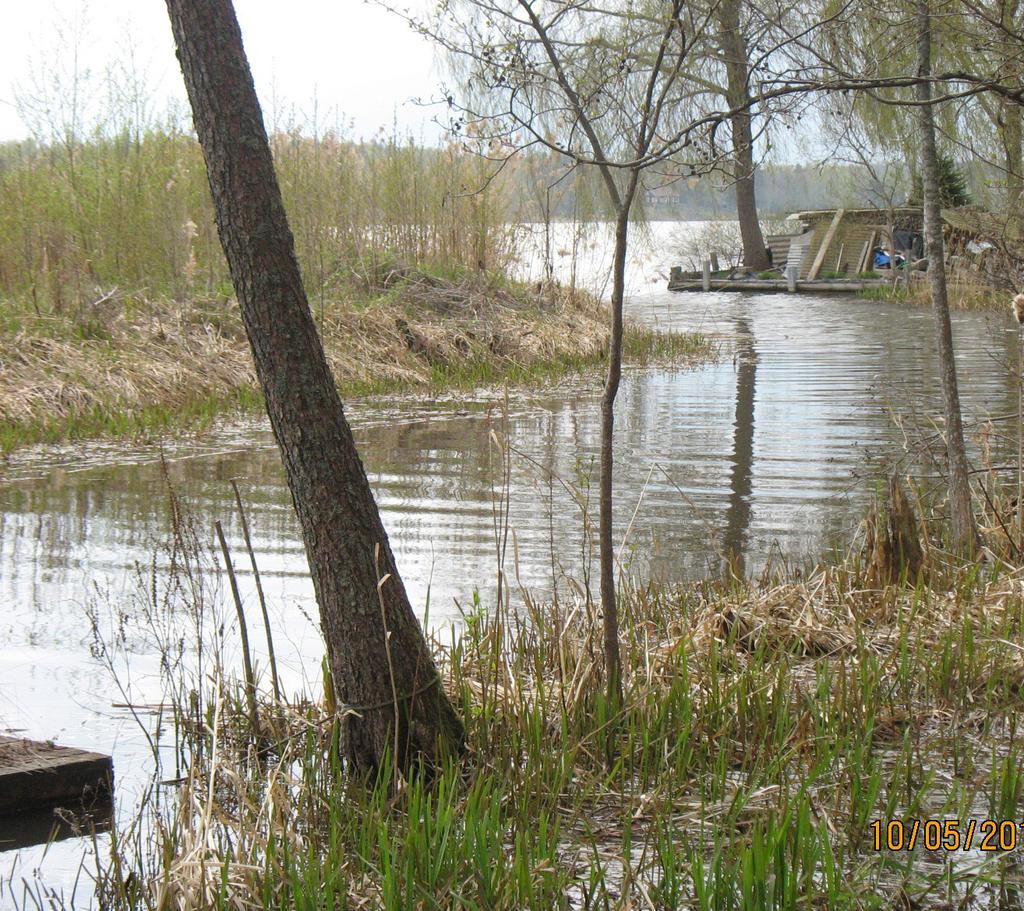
[{"x": 130, "y": 366}]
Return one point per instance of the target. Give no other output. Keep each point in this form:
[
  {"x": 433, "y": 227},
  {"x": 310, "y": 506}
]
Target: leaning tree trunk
[
  {"x": 385, "y": 678},
  {"x": 965, "y": 532},
  {"x": 734, "y": 50}
]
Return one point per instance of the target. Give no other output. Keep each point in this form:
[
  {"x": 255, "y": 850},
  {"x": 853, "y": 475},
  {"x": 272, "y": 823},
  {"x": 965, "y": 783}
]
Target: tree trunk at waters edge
[
  {"x": 965, "y": 532},
  {"x": 734, "y": 48},
  {"x": 609, "y": 604},
  {"x": 383, "y": 672}
]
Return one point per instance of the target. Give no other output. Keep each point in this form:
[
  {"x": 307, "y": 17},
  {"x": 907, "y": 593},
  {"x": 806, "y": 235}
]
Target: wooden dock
[
  {"x": 36, "y": 775},
  {"x": 781, "y": 285}
]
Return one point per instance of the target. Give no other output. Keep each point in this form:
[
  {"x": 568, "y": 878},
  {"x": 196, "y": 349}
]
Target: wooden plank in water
[{"x": 34, "y": 774}]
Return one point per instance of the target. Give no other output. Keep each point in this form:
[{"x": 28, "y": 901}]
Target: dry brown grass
[
  {"x": 124, "y": 364},
  {"x": 165, "y": 353}
]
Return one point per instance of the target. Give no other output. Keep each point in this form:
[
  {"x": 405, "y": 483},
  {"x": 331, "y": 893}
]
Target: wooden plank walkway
[{"x": 35, "y": 774}]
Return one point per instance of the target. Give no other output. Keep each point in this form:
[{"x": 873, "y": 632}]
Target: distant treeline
[{"x": 781, "y": 189}]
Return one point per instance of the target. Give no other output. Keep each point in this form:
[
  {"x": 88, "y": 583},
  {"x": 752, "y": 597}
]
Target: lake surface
[{"x": 771, "y": 449}]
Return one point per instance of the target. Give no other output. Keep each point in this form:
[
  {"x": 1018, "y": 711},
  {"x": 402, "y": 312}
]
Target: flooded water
[{"x": 772, "y": 448}]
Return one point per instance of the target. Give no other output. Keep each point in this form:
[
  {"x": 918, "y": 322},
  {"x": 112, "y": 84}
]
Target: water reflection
[
  {"x": 41, "y": 827},
  {"x": 737, "y": 515}
]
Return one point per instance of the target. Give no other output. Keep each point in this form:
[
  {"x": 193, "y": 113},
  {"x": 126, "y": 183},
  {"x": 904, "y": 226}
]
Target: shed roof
[{"x": 879, "y": 213}]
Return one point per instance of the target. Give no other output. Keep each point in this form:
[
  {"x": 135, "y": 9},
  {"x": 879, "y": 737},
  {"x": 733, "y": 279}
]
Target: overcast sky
[{"x": 361, "y": 63}]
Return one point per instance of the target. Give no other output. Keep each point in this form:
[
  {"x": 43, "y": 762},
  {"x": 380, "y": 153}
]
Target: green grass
[
  {"x": 640, "y": 346},
  {"x": 150, "y": 421},
  {"x": 962, "y": 295},
  {"x": 885, "y": 293},
  {"x": 870, "y": 274}
]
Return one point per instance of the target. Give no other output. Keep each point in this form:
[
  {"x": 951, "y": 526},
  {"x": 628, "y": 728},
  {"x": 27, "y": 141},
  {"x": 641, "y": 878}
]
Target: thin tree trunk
[
  {"x": 382, "y": 669},
  {"x": 734, "y": 50},
  {"x": 1011, "y": 116},
  {"x": 965, "y": 532},
  {"x": 1013, "y": 151},
  {"x": 609, "y": 605}
]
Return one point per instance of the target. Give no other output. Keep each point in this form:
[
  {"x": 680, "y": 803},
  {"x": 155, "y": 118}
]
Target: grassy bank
[
  {"x": 133, "y": 365},
  {"x": 964, "y": 294},
  {"x": 766, "y": 726}
]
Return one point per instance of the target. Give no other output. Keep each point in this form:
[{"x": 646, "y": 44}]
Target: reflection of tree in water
[{"x": 737, "y": 516}]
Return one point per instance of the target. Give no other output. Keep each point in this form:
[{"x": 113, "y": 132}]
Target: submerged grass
[
  {"x": 134, "y": 366},
  {"x": 766, "y": 724}
]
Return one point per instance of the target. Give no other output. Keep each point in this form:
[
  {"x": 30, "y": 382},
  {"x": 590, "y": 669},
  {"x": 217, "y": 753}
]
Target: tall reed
[{"x": 127, "y": 205}]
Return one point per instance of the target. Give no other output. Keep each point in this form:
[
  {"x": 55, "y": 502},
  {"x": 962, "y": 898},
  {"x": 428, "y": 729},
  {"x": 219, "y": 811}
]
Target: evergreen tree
[{"x": 953, "y": 190}]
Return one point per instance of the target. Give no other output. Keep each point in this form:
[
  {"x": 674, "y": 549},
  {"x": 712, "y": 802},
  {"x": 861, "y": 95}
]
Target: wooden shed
[{"x": 838, "y": 242}]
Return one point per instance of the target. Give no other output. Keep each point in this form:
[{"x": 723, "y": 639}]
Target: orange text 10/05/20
[{"x": 945, "y": 834}]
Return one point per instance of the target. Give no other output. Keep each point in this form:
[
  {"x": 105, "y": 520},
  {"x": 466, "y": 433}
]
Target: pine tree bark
[
  {"x": 382, "y": 669},
  {"x": 734, "y": 51},
  {"x": 965, "y": 532}
]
